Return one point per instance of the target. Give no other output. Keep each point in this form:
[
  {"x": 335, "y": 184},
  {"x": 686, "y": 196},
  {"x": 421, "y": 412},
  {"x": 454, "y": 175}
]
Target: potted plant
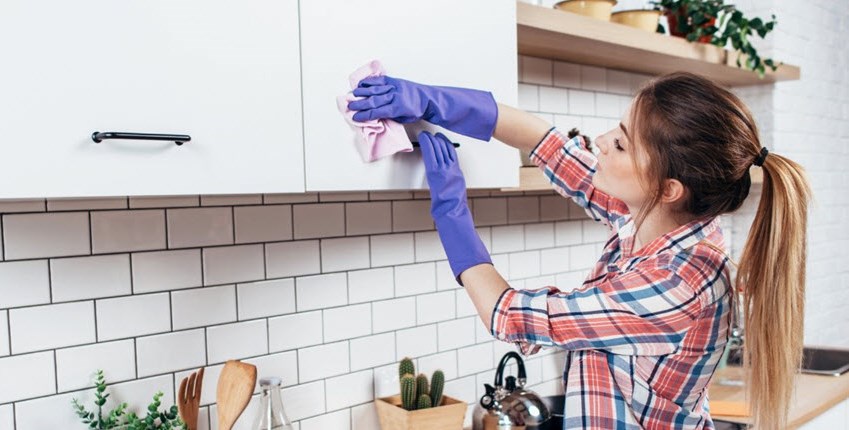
[
  {"x": 118, "y": 418},
  {"x": 696, "y": 20},
  {"x": 420, "y": 404}
]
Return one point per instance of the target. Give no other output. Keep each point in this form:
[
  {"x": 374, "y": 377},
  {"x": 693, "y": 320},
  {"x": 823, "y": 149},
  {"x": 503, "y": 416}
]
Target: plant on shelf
[
  {"x": 697, "y": 21},
  {"x": 416, "y": 392},
  {"x": 119, "y": 418}
]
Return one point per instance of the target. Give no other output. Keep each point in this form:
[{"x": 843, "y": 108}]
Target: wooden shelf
[
  {"x": 532, "y": 179},
  {"x": 555, "y": 34}
]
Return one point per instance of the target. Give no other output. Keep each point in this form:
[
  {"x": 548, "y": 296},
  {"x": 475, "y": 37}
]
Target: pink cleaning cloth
[{"x": 379, "y": 137}]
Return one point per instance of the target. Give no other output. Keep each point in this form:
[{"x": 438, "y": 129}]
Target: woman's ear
[{"x": 674, "y": 192}]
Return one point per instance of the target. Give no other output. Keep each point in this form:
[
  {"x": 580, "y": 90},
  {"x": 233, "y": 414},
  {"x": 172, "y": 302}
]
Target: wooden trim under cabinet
[{"x": 559, "y": 35}]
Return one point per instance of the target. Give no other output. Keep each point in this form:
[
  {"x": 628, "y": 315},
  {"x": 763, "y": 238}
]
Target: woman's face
[{"x": 615, "y": 174}]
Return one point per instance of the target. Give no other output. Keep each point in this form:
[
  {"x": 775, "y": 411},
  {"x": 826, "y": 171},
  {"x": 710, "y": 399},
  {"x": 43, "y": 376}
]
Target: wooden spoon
[
  {"x": 235, "y": 387},
  {"x": 188, "y": 398}
]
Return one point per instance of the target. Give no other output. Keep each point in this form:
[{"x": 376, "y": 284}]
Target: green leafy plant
[
  {"x": 156, "y": 419},
  {"x": 118, "y": 418},
  {"x": 697, "y": 20},
  {"x": 96, "y": 420}
]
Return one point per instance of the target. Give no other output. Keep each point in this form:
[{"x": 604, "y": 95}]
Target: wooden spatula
[
  {"x": 188, "y": 398},
  {"x": 235, "y": 387}
]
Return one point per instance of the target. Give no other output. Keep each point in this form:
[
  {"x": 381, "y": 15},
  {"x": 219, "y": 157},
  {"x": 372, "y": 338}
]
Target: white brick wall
[{"x": 330, "y": 290}]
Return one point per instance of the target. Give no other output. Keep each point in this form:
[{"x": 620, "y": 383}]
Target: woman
[{"x": 646, "y": 330}]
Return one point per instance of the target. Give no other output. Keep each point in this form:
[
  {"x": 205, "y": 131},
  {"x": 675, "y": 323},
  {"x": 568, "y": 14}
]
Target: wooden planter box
[{"x": 448, "y": 416}]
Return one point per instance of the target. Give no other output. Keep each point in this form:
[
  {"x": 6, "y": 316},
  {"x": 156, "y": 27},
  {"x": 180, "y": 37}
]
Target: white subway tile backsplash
[
  {"x": 166, "y": 270},
  {"x": 141, "y": 202},
  {"x": 607, "y": 105},
  {"x": 295, "y": 331},
  {"x": 75, "y": 204},
  {"x": 4, "y": 333},
  {"x": 528, "y": 97},
  {"x": 122, "y": 231},
  {"x": 593, "y": 78},
  {"x": 347, "y": 322},
  {"x": 93, "y": 277},
  {"x": 347, "y": 253},
  {"x": 371, "y": 285},
  {"x": 538, "y": 236},
  {"x": 475, "y": 358},
  {"x": 524, "y": 264},
  {"x": 554, "y": 260},
  {"x": 415, "y": 279},
  {"x": 371, "y": 351},
  {"x": 196, "y": 227},
  {"x": 435, "y": 307},
  {"x": 368, "y": 218},
  {"x": 428, "y": 247},
  {"x": 170, "y": 352},
  {"x": 553, "y": 100},
  {"x": 321, "y": 291},
  {"x": 508, "y": 238},
  {"x": 283, "y": 365},
  {"x": 582, "y": 257},
  {"x": 456, "y": 333},
  {"x": 553, "y": 208},
  {"x": 568, "y": 233},
  {"x": 305, "y": 400},
  {"x": 133, "y": 316},
  {"x": 265, "y": 298},
  {"x": 465, "y": 306},
  {"x": 411, "y": 215},
  {"x": 51, "y": 326},
  {"x": 289, "y": 198},
  {"x": 237, "y": 341},
  {"x": 24, "y": 283},
  {"x": 415, "y": 342},
  {"x": 595, "y": 231},
  {"x": 22, "y": 205},
  {"x": 263, "y": 223},
  {"x": 393, "y": 314},
  {"x": 490, "y": 211},
  {"x": 228, "y": 264},
  {"x": 323, "y": 361},
  {"x": 319, "y": 220},
  {"x": 230, "y": 199},
  {"x": 45, "y": 235},
  {"x": 445, "y": 361},
  {"x": 536, "y": 70},
  {"x": 7, "y": 417},
  {"x": 567, "y": 75},
  {"x": 27, "y": 376},
  {"x": 522, "y": 209},
  {"x": 392, "y": 249},
  {"x": 76, "y": 367},
  {"x": 364, "y": 417},
  {"x": 340, "y": 420},
  {"x": 297, "y": 258},
  {"x": 582, "y": 103},
  {"x": 349, "y": 390},
  {"x": 200, "y": 307}
]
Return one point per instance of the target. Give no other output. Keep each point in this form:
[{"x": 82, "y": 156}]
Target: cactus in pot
[
  {"x": 408, "y": 392},
  {"x": 406, "y": 367},
  {"x": 437, "y": 383},
  {"x": 421, "y": 385},
  {"x": 424, "y": 402}
]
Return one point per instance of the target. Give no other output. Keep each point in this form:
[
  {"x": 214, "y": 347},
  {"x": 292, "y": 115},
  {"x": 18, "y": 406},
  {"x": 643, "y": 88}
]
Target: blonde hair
[{"x": 701, "y": 134}]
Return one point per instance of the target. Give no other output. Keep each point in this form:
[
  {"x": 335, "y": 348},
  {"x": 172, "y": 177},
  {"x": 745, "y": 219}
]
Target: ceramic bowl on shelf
[
  {"x": 644, "y": 19},
  {"x": 598, "y": 9}
]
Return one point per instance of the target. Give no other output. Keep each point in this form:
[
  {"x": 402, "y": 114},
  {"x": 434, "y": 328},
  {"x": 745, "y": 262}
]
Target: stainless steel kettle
[{"x": 509, "y": 405}]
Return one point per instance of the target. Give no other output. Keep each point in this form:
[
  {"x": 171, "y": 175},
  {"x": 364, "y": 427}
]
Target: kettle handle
[{"x": 499, "y": 374}]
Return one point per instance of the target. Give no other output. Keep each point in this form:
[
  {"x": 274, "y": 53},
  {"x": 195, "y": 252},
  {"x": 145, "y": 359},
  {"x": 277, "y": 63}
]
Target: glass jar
[{"x": 270, "y": 415}]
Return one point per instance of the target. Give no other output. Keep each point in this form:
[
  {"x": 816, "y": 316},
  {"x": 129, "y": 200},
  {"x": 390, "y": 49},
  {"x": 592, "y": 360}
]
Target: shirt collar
[{"x": 676, "y": 240}]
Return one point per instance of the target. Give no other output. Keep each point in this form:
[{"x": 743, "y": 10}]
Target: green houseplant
[{"x": 697, "y": 21}]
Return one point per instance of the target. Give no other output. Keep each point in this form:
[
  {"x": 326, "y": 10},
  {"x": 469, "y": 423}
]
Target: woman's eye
[{"x": 616, "y": 142}]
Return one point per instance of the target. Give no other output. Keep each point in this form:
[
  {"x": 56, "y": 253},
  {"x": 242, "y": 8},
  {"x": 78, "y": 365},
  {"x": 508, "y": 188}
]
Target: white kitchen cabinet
[
  {"x": 470, "y": 43},
  {"x": 226, "y": 73}
]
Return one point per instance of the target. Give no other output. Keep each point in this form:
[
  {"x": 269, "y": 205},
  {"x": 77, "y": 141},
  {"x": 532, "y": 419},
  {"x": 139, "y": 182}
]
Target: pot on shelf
[
  {"x": 598, "y": 9},
  {"x": 644, "y": 19}
]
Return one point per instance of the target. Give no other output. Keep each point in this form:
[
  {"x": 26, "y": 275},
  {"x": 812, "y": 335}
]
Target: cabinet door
[
  {"x": 226, "y": 73},
  {"x": 469, "y": 43}
]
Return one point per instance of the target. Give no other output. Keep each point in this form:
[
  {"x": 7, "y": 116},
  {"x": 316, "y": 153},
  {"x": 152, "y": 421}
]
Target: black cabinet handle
[{"x": 179, "y": 139}]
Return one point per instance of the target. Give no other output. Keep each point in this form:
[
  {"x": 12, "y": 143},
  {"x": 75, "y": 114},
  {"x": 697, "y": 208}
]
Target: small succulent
[{"x": 416, "y": 391}]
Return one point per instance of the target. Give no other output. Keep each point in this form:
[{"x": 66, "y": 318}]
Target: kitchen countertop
[{"x": 814, "y": 395}]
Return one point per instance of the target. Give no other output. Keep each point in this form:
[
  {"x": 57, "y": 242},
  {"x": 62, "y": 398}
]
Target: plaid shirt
[{"x": 645, "y": 331}]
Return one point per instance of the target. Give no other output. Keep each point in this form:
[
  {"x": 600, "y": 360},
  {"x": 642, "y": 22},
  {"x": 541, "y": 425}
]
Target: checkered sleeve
[
  {"x": 640, "y": 312},
  {"x": 570, "y": 166}
]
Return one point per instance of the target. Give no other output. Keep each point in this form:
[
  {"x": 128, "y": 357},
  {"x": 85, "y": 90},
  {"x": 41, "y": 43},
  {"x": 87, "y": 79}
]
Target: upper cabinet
[
  {"x": 225, "y": 73},
  {"x": 470, "y": 43}
]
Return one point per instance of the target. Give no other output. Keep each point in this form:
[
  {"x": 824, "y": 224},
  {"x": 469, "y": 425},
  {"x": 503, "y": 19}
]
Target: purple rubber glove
[
  {"x": 448, "y": 207},
  {"x": 466, "y": 111}
]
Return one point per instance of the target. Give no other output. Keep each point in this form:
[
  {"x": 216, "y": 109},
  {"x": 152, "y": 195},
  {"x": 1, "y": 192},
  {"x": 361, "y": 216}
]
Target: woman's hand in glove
[
  {"x": 466, "y": 111},
  {"x": 449, "y": 210}
]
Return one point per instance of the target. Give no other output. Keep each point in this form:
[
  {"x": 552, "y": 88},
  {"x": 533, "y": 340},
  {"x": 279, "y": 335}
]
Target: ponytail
[{"x": 771, "y": 274}]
